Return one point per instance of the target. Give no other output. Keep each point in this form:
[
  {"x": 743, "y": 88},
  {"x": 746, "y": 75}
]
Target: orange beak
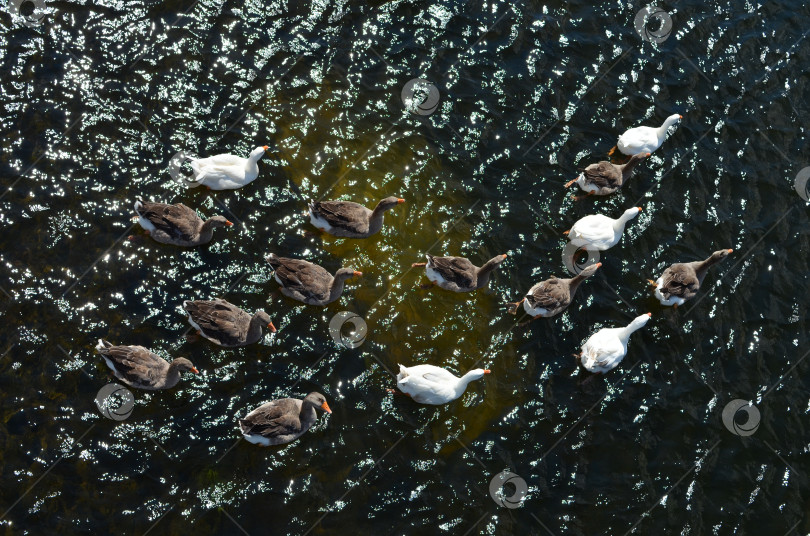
[
  {"x": 731, "y": 251},
  {"x": 504, "y": 255},
  {"x": 598, "y": 264},
  {"x": 649, "y": 314},
  {"x": 229, "y": 223},
  {"x": 400, "y": 200},
  {"x": 680, "y": 117},
  {"x": 487, "y": 371},
  {"x": 648, "y": 154},
  {"x": 265, "y": 147},
  {"x": 639, "y": 209},
  {"x": 358, "y": 274},
  {"x": 325, "y": 407},
  {"x": 194, "y": 370},
  {"x": 272, "y": 327}
]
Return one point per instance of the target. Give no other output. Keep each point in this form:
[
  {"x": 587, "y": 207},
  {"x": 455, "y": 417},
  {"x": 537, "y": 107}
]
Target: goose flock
[{"x": 227, "y": 325}]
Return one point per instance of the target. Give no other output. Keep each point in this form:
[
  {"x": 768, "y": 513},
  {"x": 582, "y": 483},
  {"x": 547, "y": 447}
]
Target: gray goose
[
  {"x": 681, "y": 281},
  {"x": 138, "y": 367},
  {"x": 225, "y": 324},
  {"x": 604, "y": 177},
  {"x": 307, "y": 282},
  {"x": 176, "y": 224},
  {"x": 458, "y": 274},
  {"x": 283, "y": 420},
  {"x": 552, "y": 296},
  {"x": 350, "y": 220}
]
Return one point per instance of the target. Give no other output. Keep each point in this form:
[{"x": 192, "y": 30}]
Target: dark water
[{"x": 98, "y": 98}]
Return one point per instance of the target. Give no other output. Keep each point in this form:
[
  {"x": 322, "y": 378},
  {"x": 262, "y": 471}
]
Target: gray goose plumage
[
  {"x": 458, "y": 274},
  {"x": 283, "y": 420},
  {"x": 138, "y": 367},
  {"x": 681, "y": 281},
  {"x": 225, "y": 324},
  {"x": 307, "y": 282},
  {"x": 605, "y": 177},
  {"x": 350, "y": 220},
  {"x": 552, "y": 296},
  {"x": 176, "y": 224}
]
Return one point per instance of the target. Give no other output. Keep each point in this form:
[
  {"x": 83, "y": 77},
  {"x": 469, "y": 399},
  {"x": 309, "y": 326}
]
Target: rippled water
[{"x": 98, "y": 98}]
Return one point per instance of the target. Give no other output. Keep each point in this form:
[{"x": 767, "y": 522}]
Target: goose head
[
  {"x": 318, "y": 400},
  {"x": 345, "y": 273},
  {"x": 476, "y": 374},
  {"x": 672, "y": 119},
  {"x": 389, "y": 202},
  {"x": 258, "y": 152},
  {"x": 182, "y": 364},
  {"x": 265, "y": 319},
  {"x": 219, "y": 221}
]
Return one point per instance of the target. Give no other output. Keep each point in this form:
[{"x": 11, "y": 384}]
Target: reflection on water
[{"x": 98, "y": 99}]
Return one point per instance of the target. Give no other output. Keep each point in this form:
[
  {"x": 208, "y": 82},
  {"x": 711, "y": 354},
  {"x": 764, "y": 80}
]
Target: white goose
[
  {"x": 607, "y": 347},
  {"x": 226, "y": 171},
  {"x": 644, "y": 139},
  {"x": 600, "y": 232},
  {"x": 427, "y": 384}
]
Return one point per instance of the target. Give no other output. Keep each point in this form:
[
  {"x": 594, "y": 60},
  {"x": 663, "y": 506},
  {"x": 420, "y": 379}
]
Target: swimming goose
[
  {"x": 427, "y": 384},
  {"x": 607, "y": 347},
  {"x": 604, "y": 178},
  {"x": 681, "y": 281},
  {"x": 347, "y": 219},
  {"x": 552, "y": 296},
  {"x": 307, "y": 282},
  {"x": 644, "y": 139},
  {"x": 138, "y": 367},
  {"x": 176, "y": 224},
  {"x": 598, "y": 231},
  {"x": 458, "y": 273},
  {"x": 226, "y": 171},
  {"x": 225, "y": 324},
  {"x": 283, "y": 420}
]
